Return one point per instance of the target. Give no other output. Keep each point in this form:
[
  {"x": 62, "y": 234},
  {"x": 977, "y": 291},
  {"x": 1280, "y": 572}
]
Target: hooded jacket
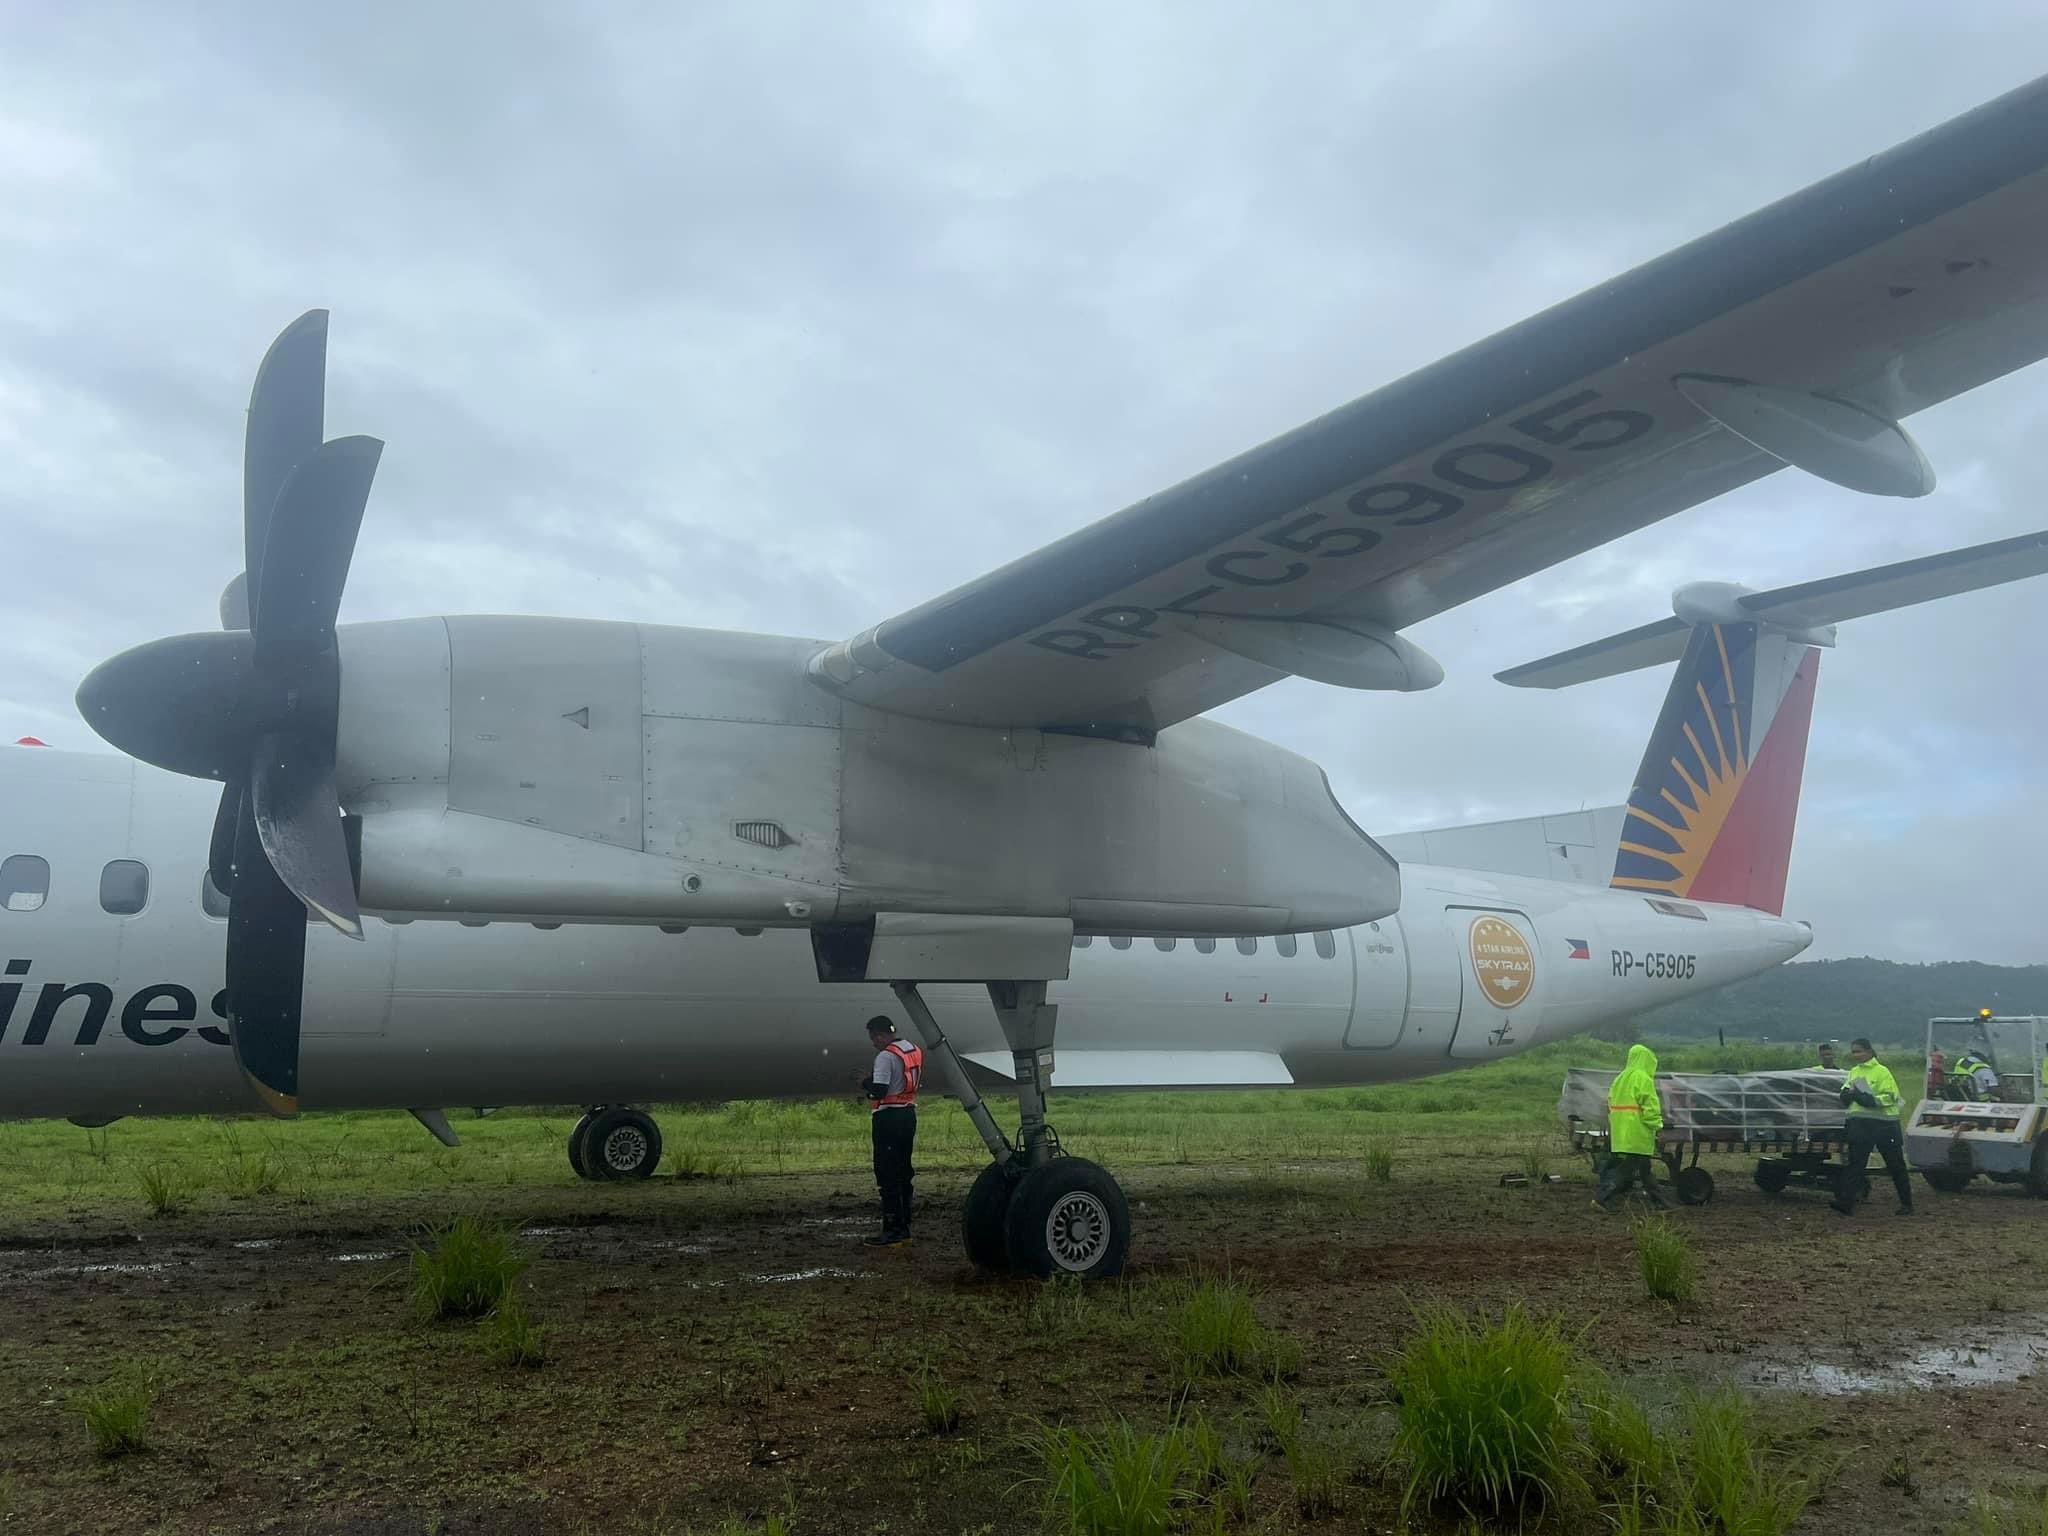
[{"x": 1634, "y": 1117}]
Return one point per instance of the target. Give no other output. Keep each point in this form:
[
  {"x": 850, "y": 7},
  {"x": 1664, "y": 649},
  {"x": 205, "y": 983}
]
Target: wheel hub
[
  {"x": 1077, "y": 1231},
  {"x": 625, "y": 1149}
]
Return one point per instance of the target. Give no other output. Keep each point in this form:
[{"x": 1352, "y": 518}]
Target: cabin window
[
  {"x": 1083, "y": 940},
  {"x": 1326, "y": 945},
  {"x": 1247, "y": 946},
  {"x": 1206, "y": 946},
  {"x": 1121, "y": 941},
  {"x": 1286, "y": 945},
  {"x": 1165, "y": 944},
  {"x": 24, "y": 882},
  {"x": 124, "y": 887},
  {"x": 212, "y": 900}
]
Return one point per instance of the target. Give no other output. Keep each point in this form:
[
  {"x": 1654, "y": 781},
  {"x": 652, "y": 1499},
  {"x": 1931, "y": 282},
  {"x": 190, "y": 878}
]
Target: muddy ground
[{"x": 727, "y": 1349}]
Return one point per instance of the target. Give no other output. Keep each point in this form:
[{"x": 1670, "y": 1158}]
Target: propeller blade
[
  {"x": 287, "y": 414},
  {"x": 266, "y": 972},
  {"x": 180, "y": 702},
  {"x": 298, "y": 822},
  {"x": 312, "y": 540},
  {"x": 220, "y": 852}
]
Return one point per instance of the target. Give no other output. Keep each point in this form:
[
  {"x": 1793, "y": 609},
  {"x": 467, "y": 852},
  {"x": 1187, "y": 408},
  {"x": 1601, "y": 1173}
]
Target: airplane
[{"x": 961, "y": 794}]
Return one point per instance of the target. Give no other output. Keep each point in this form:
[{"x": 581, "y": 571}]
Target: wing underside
[{"x": 1903, "y": 281}]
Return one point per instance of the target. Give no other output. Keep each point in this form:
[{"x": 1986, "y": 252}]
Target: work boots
[{"x": 895, "y": 1223}]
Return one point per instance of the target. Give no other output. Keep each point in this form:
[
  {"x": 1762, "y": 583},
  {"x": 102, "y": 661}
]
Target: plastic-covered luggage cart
[{"x": 1791, "y": 1122}]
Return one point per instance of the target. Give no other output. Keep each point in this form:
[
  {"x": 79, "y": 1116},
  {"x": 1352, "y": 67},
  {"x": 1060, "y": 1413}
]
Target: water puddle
[
  {"x": 371, "y": 1257},
  {"x": 822, "y": 1272},
  {"x": 256, "y": 1244},
  {"x": 1993, "y": 1361},
  {"x": 542, "y": 1231},
  {"x": 92, "y": 1269}
]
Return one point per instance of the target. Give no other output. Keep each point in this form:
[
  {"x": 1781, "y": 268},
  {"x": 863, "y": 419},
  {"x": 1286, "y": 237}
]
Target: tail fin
[
  {"x": 1712, "y": 810},
  {"x": 1713, "y": 805}
]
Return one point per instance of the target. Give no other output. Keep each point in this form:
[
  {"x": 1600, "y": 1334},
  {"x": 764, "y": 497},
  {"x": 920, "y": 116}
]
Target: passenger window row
[
  {"x": 25, "y": 885},
  {"x": 1287, "y": 944}
]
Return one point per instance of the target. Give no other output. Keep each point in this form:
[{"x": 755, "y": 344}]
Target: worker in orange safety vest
[{"x": 892, "y": 1093}]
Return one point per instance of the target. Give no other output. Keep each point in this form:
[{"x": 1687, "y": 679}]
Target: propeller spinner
[{"x": 256, "y": 705}]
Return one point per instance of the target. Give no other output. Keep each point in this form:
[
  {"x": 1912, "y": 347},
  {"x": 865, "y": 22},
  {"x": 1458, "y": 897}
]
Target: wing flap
[{"x": 1898, "y": 283}]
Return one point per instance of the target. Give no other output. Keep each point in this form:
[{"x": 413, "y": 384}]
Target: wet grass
[
  {"x": 466, "y": 1269},
  {"x": 1664, "y": 1252},
  {"x": 1486, "y": 1412},
  {"x": 116, "y": 1412},
  {"x": 210, "y": 1165}
]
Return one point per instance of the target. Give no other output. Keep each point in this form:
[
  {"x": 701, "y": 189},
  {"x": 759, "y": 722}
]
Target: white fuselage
[{"x": 104, "y": 1015}]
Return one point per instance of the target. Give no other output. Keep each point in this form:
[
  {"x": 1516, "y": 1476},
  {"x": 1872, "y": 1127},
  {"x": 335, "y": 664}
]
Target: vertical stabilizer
[{"x": 1712, "y": 809}]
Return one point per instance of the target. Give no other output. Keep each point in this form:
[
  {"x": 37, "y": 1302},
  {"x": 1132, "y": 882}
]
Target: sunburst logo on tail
[{"x": 1698, "y": 760}]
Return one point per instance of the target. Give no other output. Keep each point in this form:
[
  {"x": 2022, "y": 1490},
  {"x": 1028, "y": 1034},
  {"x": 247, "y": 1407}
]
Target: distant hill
[{"x": 1835, "y": 999}]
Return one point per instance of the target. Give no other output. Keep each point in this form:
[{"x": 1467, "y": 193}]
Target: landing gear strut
[
  {"x": 615, "y": 1141},
  {"x": 1034, "y": 1209}
]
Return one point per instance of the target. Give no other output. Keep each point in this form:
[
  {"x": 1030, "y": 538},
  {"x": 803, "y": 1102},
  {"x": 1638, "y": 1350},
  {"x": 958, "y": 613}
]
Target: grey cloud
[{"x": 788, "y": 317}]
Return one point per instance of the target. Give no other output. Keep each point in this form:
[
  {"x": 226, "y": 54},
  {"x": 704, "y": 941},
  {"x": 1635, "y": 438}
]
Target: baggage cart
[{"x": 1791, "y": 1122}]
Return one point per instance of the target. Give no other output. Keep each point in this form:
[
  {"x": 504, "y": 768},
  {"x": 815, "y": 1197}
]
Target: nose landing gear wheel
[{"x": 1068, "y": 1217}]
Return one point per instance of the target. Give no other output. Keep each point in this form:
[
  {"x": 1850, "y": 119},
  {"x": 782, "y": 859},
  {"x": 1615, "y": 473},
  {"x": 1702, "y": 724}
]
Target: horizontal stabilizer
[
  {"x": 1152, "y": 1069},
  {"x": 1807, "y": 606}
]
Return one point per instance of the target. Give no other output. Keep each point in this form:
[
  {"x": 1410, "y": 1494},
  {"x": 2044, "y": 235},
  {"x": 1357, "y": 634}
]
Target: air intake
[{"x": 767, "y": 833}]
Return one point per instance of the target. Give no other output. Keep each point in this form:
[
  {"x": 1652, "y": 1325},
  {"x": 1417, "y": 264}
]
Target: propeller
[{"x": 256, "y": 704}]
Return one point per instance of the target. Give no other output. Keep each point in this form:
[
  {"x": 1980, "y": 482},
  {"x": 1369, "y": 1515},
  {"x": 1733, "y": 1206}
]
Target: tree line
[{"x": 1836, "y": 999}]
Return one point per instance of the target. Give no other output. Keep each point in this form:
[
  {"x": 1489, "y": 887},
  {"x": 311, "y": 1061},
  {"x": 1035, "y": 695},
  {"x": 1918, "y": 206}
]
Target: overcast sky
[{"x": 787, "y": 317}]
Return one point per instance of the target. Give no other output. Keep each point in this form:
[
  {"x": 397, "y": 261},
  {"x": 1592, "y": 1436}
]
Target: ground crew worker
[
  {"x": 1974, "y": 1076},
  {"x": 1634, "y": 1117},
  {"x": 1871, "y": 1096},
  {"x": 1827, "y": 1057},
  {"x": 892, "y": 1122}
]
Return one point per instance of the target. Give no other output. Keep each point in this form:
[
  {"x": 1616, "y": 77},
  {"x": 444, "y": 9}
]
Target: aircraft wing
[{"x": 1813, "y": 325}]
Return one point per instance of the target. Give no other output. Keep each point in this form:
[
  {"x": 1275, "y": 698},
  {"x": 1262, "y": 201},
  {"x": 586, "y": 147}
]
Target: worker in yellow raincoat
[{"x": 1633, "y": 1119}]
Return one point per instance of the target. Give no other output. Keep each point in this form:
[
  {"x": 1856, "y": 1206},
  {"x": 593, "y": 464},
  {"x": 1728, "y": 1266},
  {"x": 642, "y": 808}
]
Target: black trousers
[
  {"x": 1868, "y": 1134},
  {"x": 895, "y": 1134},
  {"x": 1627, "y": 1170}
]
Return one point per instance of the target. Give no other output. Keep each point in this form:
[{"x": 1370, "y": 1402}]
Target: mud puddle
[{"x": 2003, "y": 1357}]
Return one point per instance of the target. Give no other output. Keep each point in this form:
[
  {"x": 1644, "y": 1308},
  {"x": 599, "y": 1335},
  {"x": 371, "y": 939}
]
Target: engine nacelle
[{"x": 567, "y": 770}]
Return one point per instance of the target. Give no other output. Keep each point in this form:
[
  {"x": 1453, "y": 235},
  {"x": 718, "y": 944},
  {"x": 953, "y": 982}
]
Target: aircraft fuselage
[{"x": 104, "y": 1015}]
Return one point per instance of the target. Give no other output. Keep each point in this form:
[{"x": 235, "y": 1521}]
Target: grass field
[
  {"x": 57, "y": 1171},
  {"x": 296, "y": 1345}
]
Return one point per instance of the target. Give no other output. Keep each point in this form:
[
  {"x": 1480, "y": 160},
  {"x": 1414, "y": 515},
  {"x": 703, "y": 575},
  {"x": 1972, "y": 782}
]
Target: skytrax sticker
[{"x": 1502, "y": 961}]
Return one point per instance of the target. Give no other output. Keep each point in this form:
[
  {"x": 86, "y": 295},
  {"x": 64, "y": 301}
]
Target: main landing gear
[
  {"x": 1033, "y": 1210},
  {"x": 615, "y": 1141}
]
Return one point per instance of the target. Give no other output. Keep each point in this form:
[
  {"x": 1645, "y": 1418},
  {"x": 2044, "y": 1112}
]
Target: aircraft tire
[
  {"x": 984, "y": 1217},
  {"x": 621, "y": 1143},
  {"x": 1950, "y": 1181},
  {"x": 1695, "y": 1186},
  {"x": 1772, "y": 1176},
  {"x": 576, "y": 1133},
  {"x": 1068, "y": 1217}
]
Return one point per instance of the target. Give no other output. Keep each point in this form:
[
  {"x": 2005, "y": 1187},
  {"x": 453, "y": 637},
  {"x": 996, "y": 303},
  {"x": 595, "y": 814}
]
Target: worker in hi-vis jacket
[
  {"x": 1870, "y": 1094},
  {"x": 1634, "y": 1117}
]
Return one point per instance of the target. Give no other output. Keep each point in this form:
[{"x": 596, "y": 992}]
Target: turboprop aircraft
[{"x": 962, "y": 793}]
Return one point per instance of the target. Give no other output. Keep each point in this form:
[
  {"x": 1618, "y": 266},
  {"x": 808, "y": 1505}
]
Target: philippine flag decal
[{"x": 1579, "y": 950}]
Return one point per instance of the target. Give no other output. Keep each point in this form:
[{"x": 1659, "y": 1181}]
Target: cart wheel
[
  {"x": 1695, "y": 1186},
  {"x": 1772, "y": 1176}
]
